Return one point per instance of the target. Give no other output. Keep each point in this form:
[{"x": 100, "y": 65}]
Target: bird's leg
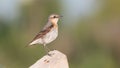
[{"x": 47, "y": 49}]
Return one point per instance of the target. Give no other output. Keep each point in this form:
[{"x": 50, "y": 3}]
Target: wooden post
[{"x": 56, "y": 59}]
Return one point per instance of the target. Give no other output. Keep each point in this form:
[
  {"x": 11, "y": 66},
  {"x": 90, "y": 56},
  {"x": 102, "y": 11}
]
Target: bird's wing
[
  {"x": 42, "y": 33},
  {"x": 47, "y": 25}
]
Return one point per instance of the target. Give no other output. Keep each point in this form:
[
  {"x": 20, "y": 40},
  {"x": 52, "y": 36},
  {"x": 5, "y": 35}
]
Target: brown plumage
[{"x": 42, "y": 33}]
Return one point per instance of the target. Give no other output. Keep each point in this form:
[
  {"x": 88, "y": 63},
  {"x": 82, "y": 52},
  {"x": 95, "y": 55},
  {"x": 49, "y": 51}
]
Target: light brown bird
[{"x": 48, "y": 33}]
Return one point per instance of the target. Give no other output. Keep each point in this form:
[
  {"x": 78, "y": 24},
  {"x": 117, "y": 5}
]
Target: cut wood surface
[{"x": 55, "y": 59}]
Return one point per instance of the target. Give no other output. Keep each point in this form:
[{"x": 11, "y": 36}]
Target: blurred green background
[{"x": 89, "y": 32}]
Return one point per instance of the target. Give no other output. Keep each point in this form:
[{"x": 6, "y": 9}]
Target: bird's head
[{"x": 53, "y": 18}]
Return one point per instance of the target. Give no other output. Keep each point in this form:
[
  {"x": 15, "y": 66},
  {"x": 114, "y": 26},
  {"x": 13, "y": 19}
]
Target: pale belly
[{"x": 49, "y": 37}]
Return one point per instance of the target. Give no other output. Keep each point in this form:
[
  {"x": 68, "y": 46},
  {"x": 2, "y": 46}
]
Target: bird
[{"x": 49, "y": 32}]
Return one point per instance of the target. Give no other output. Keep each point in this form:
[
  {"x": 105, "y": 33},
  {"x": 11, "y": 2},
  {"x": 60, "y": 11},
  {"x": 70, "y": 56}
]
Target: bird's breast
[{"x": 50, "y": 36}]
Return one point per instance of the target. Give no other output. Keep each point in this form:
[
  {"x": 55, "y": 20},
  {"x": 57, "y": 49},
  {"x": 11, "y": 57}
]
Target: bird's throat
[{"x": 54, "y": 22}]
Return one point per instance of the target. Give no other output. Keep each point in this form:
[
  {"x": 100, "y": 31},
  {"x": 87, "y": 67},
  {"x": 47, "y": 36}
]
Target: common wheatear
[{"x": 48, "y": 33}]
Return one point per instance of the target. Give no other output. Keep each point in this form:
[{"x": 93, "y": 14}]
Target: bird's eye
[{"x": 54, "y": 16}]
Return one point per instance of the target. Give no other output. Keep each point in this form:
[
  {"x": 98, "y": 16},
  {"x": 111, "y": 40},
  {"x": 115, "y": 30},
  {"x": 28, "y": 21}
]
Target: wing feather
[{"x": 42, "y": 33}]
